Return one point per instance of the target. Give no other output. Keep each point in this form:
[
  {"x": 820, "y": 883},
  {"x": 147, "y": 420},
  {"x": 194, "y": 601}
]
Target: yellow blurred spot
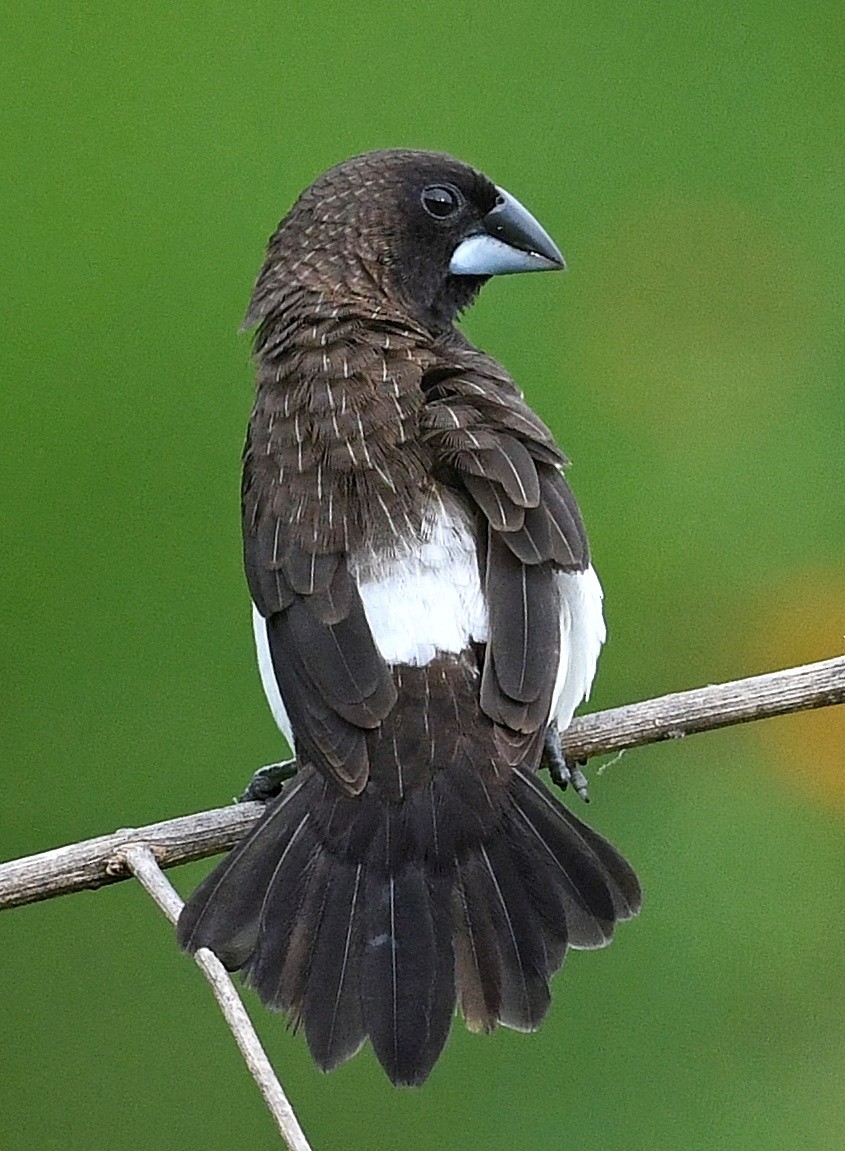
[{"x": 803, "y": 620}]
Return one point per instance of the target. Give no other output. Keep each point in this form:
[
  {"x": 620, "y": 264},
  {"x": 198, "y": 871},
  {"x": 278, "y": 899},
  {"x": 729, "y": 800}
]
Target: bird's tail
[{"x": 361, "y": 917}]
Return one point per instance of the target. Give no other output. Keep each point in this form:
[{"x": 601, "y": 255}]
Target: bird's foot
[
  {"x": 267, "y": 781},
  {"x": 560, "y": 771}
]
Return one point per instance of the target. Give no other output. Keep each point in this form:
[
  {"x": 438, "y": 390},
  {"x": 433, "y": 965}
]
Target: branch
[
  {"x": 142, "y": 863},
  {"x": 706, "y": 709},
  {"x": 96, "y": 862}
]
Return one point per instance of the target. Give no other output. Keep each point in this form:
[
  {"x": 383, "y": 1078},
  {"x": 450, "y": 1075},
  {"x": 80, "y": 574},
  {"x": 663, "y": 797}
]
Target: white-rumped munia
[{"x": 426, "y": 618}]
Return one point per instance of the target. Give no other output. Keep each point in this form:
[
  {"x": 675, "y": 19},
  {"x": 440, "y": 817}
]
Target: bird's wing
[
  {"x": 331, "y": 680},
  {"x": 486, "y": 440}
]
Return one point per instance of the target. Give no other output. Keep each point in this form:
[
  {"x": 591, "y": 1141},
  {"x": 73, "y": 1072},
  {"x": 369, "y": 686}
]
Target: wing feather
[{"x": 489, "y": 444}]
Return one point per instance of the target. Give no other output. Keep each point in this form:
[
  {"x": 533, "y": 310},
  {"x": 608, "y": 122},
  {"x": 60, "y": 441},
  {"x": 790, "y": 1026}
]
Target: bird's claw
[
  {"x": 267, "y": 781},
  {"x": 560, "y": 771}
]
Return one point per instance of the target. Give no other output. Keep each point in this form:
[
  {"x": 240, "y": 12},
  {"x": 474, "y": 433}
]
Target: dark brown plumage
[{"x": 414, "y": 555}]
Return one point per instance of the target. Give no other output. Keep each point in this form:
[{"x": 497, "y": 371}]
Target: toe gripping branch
[
  {"x": 267, "y": 781},
  {"x": 559, "y": 770}
]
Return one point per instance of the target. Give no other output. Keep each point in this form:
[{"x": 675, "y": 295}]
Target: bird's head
[{"x": 408, "y": 230}]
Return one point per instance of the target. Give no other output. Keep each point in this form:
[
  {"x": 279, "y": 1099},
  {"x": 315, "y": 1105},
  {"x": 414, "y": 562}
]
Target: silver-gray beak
[{"x": 512, "y": 241}]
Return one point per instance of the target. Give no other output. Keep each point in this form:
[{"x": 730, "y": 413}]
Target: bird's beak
[{"x": 512, "y": 241}]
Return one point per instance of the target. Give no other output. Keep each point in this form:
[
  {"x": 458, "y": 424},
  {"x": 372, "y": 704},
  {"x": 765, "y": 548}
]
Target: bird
[{"x": 426, "y": 618}]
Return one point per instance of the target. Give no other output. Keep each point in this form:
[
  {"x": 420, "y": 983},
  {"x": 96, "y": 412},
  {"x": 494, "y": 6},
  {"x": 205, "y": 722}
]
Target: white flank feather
[
  {"x": 268, "y": 676},
  {"x": 582, "y": 632}
]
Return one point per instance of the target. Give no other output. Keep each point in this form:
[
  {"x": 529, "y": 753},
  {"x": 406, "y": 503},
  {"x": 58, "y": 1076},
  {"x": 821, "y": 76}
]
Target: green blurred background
[{"x": 690, "y": 160}]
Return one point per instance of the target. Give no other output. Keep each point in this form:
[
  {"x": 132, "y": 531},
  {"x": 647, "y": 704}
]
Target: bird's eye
[{"x": 441, "y": 200}]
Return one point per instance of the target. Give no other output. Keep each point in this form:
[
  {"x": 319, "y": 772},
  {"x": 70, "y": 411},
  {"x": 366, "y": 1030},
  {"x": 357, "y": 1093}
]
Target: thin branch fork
[
  {"x": 96, "y": 862},
  {"x": 142, "y": 863}
]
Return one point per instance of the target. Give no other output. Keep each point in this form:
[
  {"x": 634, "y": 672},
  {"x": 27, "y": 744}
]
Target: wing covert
[{"x": 486, "y": 442}]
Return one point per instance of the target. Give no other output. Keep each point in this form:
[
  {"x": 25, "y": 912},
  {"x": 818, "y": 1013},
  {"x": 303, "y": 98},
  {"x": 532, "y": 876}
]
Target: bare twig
[
  {"x": 96, "y": 862},
  {"x": 139, "y": 859},
  {"x": 706, "y": 708}
]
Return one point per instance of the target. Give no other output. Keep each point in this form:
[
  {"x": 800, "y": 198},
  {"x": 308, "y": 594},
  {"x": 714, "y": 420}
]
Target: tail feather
[
  {"x": 223, "y": 913},
  {"x": 399, "y": 975},
  {"x": 478, "y": 965},
  {"x": 625, "y": 890},
  {"x": 525, "y": 989},
  {"x": 547, "y": 888},
  {"x": 370, "y": 916},
  {"x": 291, "y": 917},
  {"x": 573, "y": 888},
  {"x": 592, "y": 862},
  {"x": 443, "y": 999},
  {"x": 334, "y": 1019}
]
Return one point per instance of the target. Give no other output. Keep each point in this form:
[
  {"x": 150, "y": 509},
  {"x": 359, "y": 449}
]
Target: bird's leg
[
  {"x": 560, "y": 771},
  {"x": 267, "y": 781}
]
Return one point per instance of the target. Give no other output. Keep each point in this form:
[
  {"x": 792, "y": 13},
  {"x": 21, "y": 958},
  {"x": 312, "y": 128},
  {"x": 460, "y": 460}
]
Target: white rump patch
[{"x": 425, "y": 598}]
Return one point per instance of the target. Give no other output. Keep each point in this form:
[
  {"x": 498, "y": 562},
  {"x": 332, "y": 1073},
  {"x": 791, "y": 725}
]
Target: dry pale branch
[
  {"x": 706, "y": 708},
  {"x": 96, "y": 862},
  {"x": 142, "y": 852},
  {"x": 141, "y": 862}
]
